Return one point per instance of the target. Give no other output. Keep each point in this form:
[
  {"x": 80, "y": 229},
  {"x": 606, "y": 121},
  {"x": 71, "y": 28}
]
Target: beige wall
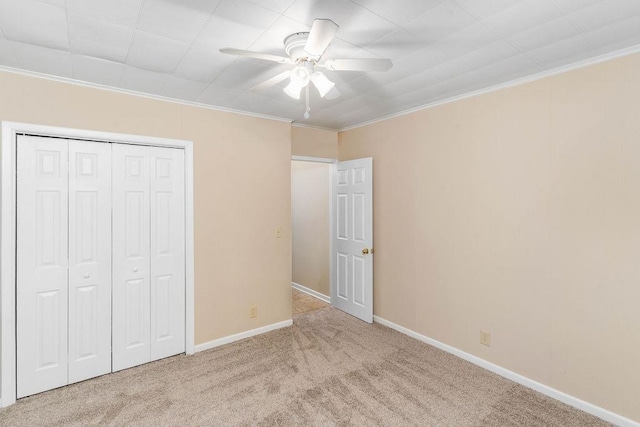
[
  {"x": 310, "y": 202},
  {"x": 242, "y": 191},
  {"x": 314, "y": 142},
  {"x": 518, "y": 212}
]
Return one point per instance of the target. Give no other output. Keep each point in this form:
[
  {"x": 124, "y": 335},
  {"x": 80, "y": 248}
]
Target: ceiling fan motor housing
[{"x": 294, "y": 46}]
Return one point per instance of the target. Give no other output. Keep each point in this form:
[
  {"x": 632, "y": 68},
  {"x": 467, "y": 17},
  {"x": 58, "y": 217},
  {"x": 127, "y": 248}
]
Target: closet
[{"x": 100, "y": 259}]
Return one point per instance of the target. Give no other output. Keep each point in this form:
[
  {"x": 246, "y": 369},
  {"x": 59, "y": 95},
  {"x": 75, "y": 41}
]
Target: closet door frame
[{"x": 10, "y": 131}]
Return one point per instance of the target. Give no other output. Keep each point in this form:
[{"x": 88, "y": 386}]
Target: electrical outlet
[
  {"x": 253, "y": 312},
  {"x": 278, "y": 232},
  {"x": 485, "y": 338}
]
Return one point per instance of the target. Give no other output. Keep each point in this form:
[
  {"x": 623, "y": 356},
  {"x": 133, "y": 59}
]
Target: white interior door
[
  {"x": 89, "y": 259},
  {"x": 352, "y": 238},
  {"x": 167, "y": 252},
  {"x": 41, "y": 265},
  {"x": 131, "y": 262}
]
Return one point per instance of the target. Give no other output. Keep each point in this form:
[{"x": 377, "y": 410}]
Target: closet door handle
[
  {"x": 87, "y": 275},
  {"x": 135, "y": 269}
]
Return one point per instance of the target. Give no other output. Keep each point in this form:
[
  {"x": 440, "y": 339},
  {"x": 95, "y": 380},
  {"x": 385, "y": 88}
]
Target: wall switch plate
[
  {"x": 253, "y": 311},
  {"x": 278, "y": 232},
  {"x": 485, "y": 338}
]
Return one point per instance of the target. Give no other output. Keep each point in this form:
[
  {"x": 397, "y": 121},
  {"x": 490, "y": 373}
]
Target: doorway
[
  {"x": 343, "y": 228},
  {"x": 311, "y": 222}
]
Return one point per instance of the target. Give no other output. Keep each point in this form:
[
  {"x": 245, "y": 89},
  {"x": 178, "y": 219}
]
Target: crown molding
[
  {"x": 516, "y": 82},
  {"x": 138, "y": 94},
  {"x": 307, "y": 126}
]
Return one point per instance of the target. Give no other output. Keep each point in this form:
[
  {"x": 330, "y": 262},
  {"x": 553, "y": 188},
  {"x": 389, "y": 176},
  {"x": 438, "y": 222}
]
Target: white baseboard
[
  {"x": 599, "y": 412},
  {"x": 242, "y": 335},
  {"x": 311, "y": 292}
]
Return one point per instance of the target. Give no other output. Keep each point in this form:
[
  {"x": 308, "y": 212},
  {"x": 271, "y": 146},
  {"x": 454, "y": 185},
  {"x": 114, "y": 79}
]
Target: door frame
[
  {"x": 10, "y": 131},
  {"x": 332, "y": 162}
]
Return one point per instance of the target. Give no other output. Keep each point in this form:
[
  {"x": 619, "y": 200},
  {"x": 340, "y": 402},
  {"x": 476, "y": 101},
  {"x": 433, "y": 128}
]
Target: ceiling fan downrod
[{"x": 308, "y": 109}]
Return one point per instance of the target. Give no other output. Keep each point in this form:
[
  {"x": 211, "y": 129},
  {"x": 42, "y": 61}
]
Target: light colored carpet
[{"x": 327, "y": 369}]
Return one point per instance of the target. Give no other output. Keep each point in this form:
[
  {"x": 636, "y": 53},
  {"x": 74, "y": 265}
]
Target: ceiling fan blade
[
  {"x": 272, "y": 81},
  {"x": 357, "y": 64},
  {"x": 332, "y": 94},
  {"x": 321, "y": 34},
  {"x": 257, "y": 55}
]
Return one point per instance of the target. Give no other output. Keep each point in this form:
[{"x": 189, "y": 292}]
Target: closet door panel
[
  {"x": 131, "y": 269},
  {"x": 89, "y": 259},
  {"x": 41, "y": 292},
  {"x": 167, "y": 252}
]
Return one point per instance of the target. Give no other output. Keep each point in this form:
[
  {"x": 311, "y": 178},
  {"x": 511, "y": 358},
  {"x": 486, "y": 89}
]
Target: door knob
[
  {"x": 365, "y": 251},
  {"x": 135, "y": 269},
  {"x": 87, "y": 275}
]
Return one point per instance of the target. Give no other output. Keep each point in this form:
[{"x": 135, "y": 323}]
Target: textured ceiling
[{"x": 440, "y": 48}]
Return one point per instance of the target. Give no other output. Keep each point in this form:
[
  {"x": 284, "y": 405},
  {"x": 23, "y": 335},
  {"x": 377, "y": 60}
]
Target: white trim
[
  {"x": 516, "y": 82},
  {"x": 8, "y": 230},
  {"x": 332, "y": 170},
  {"x": 308, "y": 126},
  {"x": 332, "y": 285},
  {"x": 311, "y": 292},
  {"x": 597, "y": 411},
  {"x": 242, "y": 335},
  {"x": 7, "y": 268},
  {"x": 533, "y": 77},
  {"x": 190, "y": 309},
  {"x": 140, "y": 94},
  {"x": 313, "y": 159}
]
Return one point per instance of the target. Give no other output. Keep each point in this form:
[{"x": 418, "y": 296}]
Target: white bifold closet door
[
  {"x": 63, "y": 297},
  {"x": 89, "y": 259},
  {"x": 148, "y": 254},
  {"x": 100, "y": 259},
  {"x": 167, "y": 252}
]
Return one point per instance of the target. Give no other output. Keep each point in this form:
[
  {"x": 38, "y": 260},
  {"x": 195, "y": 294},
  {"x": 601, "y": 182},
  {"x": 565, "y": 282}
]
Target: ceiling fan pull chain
[{"x": 306, "y": 112}]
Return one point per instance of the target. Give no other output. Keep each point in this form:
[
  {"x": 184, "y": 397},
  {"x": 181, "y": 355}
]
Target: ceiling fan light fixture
[
  {"x": 305, "y": 51},
  {"x": 322, "y": 83},
  {"x": 293, "y": 89},
  {"x": 301, "y": 73}
]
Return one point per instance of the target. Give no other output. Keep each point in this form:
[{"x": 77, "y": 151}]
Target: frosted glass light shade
[
  {"x": 293, "y": 89},
  {"x": 322, "y": 83},
  {"x": 300, "y": 75}
]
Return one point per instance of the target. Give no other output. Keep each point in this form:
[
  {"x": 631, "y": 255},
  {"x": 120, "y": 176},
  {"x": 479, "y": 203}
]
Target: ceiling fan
[{"x": 305, "y": 52}]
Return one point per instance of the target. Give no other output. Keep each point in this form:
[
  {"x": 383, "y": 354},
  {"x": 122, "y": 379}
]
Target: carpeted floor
[{"x": 327, "y": 369}]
